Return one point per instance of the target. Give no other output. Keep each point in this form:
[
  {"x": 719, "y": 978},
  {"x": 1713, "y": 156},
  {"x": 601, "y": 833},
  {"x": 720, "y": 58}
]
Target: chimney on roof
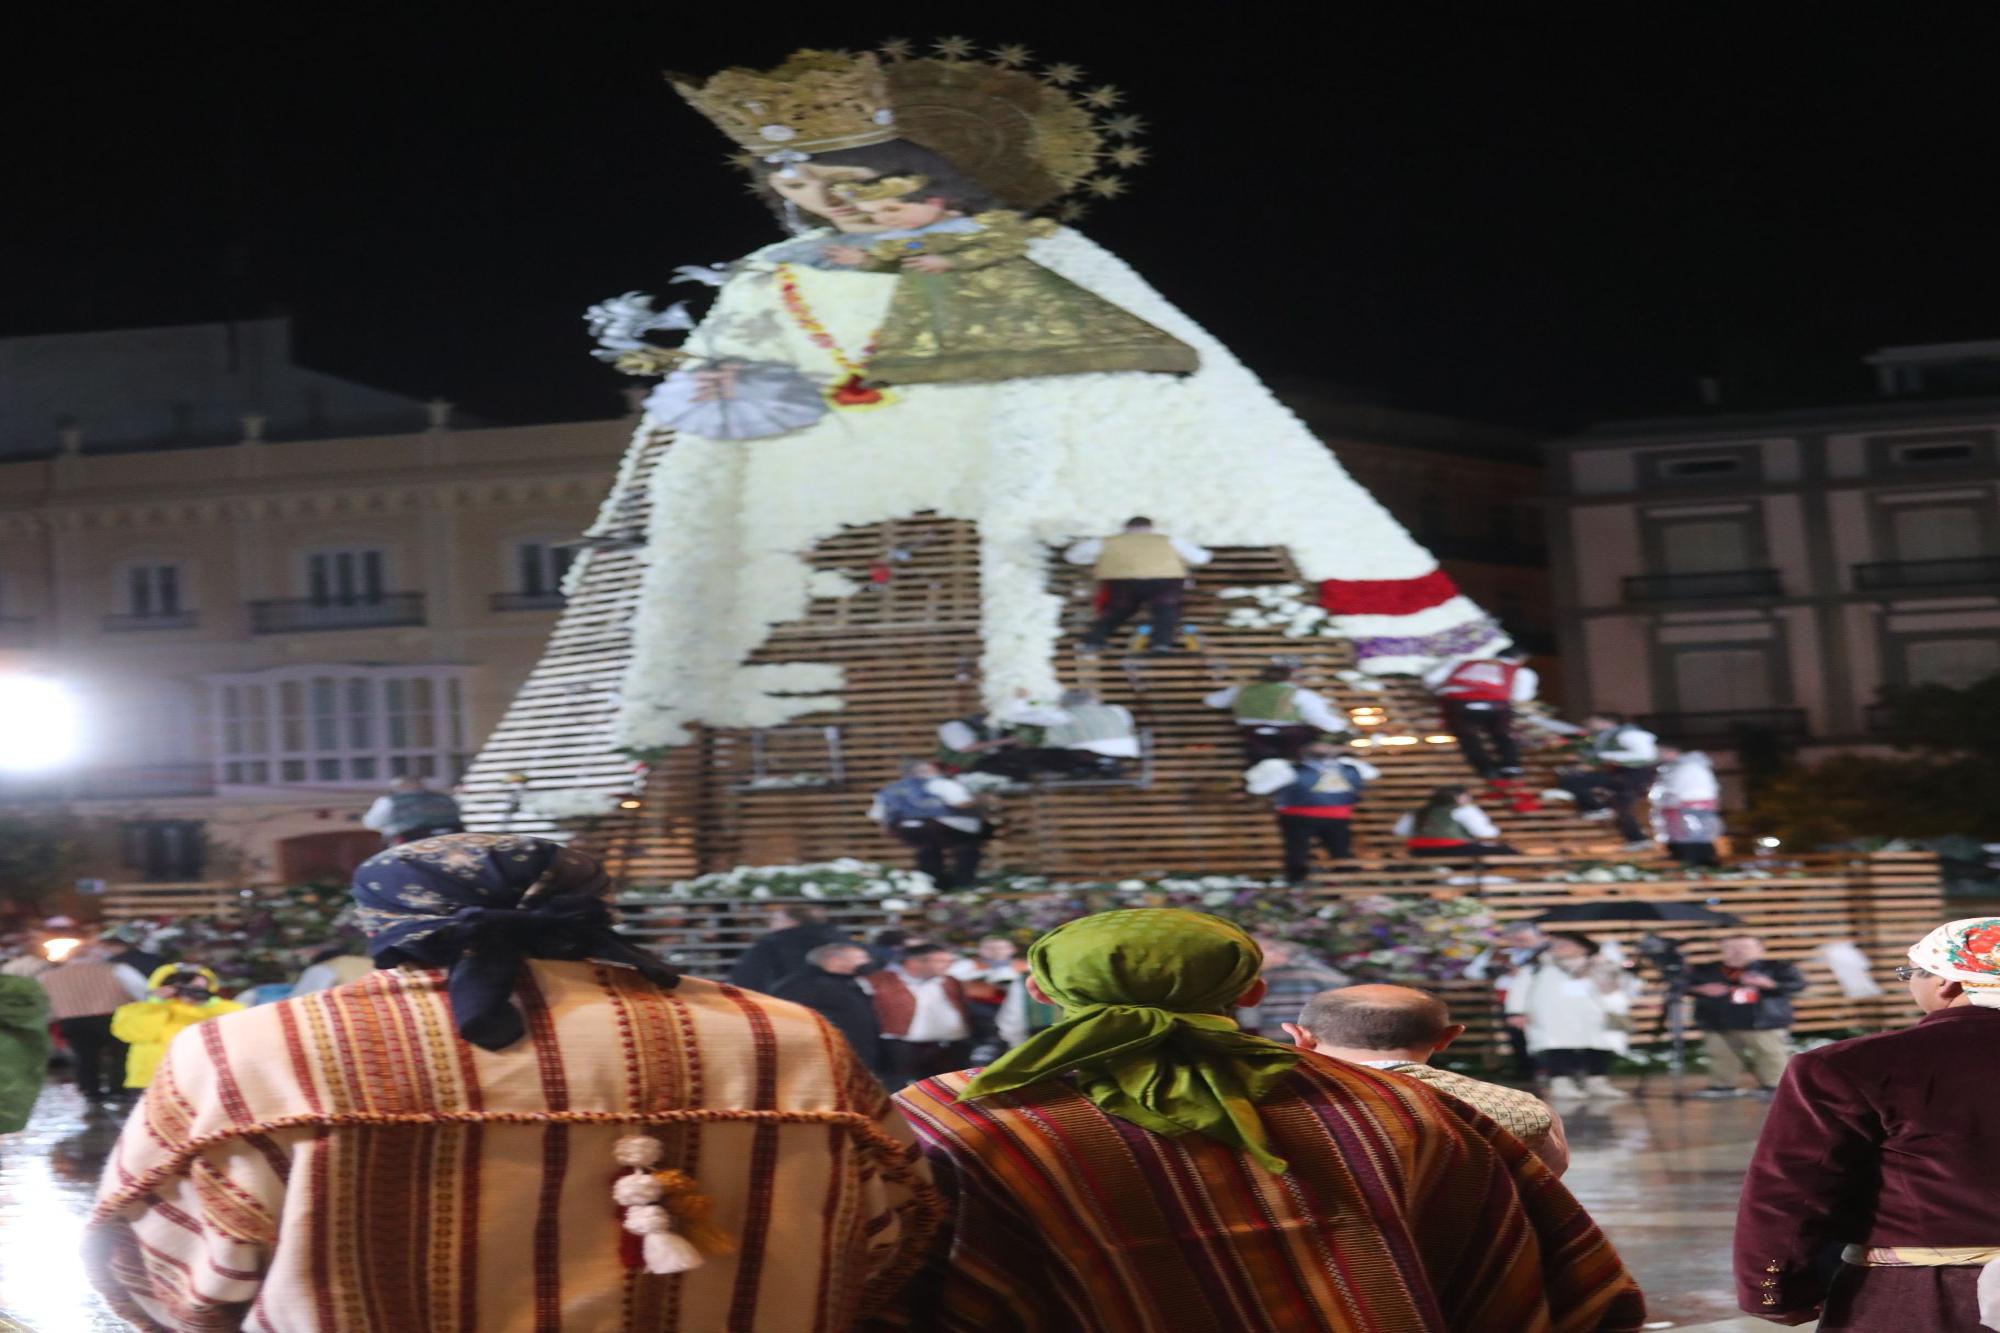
[
  {"x": 253, "y": 426},
  {"x": 438, "y": 410},
  {"x": 69, "y": 438}
]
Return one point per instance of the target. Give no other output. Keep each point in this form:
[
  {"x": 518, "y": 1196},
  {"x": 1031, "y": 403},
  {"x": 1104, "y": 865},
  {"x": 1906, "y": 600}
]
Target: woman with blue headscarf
[
  {"x": 519, "y": 1120},
  {"x": 479, "y": 905}
]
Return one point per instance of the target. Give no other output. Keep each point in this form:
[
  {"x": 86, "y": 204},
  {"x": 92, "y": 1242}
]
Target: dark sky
[{"x": 1535, "y": 215}]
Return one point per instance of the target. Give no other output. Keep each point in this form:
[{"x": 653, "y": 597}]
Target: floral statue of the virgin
[{"x": 931, "y": 337}]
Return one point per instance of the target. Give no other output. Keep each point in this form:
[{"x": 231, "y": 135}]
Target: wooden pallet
[{"x": 908, "y": 644}]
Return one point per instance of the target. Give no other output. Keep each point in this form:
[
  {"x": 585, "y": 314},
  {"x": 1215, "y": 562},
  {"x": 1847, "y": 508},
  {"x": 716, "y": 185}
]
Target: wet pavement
[
  {"x": 48, "y": 1175},
  {"x": 1661, "y": 1178}
]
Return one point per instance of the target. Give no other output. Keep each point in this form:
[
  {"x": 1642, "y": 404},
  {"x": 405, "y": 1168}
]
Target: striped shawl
[
  {"x": 343, "y": 1161},
  {"x": 1402, "y": 1212}
]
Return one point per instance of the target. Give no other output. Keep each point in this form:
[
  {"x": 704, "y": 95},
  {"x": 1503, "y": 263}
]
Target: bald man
[{"x": 1400, "y": 1029}]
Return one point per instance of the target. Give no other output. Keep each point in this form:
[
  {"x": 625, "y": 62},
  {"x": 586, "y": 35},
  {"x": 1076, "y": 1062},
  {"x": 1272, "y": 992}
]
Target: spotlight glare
[{"x": 41, "y": 724}]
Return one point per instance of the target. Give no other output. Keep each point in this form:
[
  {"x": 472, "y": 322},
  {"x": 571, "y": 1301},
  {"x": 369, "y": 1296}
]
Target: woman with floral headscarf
[
  {"x": 1879, "y": 1147},
  {"x": 1146, "y": 1165},
  {"x": 520, "y": 1121}
]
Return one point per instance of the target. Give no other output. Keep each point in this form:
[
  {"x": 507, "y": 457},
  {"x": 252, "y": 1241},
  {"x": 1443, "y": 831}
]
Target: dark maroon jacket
[{"x": 1883, "y": 1140}]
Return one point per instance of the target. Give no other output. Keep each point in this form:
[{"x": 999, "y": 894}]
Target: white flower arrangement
[
  {"x": 1031, "y": 461},
  {"x": 787, "y": 782},
  {"x": 847, "y": 877},
  {"x": 570, "y": 803},
  {"x": 1284, "y": 607}
]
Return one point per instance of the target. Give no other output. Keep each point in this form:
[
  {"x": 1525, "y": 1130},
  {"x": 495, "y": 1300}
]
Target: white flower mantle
[{"x": 1212, "y": 456}]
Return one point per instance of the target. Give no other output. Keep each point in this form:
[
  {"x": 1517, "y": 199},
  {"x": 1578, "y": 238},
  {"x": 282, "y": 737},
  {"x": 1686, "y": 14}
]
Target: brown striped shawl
[
  {"x": 1403, "y": 1212},
  {"x": 344, "y": 1161}
]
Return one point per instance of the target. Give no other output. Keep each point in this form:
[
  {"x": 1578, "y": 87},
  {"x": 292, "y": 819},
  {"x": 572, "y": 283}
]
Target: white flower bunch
[
  {"x": 1284, "y": 607},
  {"x": 569, "y": 803}
]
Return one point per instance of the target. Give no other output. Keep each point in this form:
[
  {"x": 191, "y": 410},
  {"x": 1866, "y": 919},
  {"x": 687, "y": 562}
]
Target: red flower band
[{"x": 1386, "y": 597}]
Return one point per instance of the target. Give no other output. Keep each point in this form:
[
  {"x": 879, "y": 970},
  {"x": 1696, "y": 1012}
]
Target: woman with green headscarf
[{"x": 1144, "y": 1166}]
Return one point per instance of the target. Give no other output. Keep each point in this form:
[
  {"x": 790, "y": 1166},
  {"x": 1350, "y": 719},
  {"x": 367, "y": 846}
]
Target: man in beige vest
[
  {"x": 1139, "y": 569},
  {"x": 1399, "y": 1029}
]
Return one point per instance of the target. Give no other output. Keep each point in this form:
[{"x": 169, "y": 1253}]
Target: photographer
[
  {"x": 178, "y": 997},
  {"x": 1743, "y": 1006}
]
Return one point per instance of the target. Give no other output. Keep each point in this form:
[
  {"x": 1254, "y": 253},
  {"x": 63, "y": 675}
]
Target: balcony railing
[
  {"x": 1703, "y": 587},
  {"x": 294, "y": 615},
  {"x": 1928, "y": 573},
  {"x": 1726, "y": 725},
  {"x": 528, "y": 601},
  {"x": 145, "y": 620}
]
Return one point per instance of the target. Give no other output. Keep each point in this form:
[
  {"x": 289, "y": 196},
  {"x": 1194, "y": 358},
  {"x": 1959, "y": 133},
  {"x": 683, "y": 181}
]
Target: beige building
[
  {"x": 1739, "y": 580},
  {"x": 260, "y": 634}
]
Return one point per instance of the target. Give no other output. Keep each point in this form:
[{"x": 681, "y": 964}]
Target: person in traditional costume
[
  {"x": 24, "y": 1049},
  {"x": 520, "y": 1122},
  {"x": 1450, "y": 823},
  {"x": 1276, "y": 718},
  {"x": 1399, "y": 1028},
  {"x": 1314, "y": 800},
  {"x": 1875, "y": 1150},
  {"x": 1138, "y": 569},
  {"x": 1146, "y": 1165}
]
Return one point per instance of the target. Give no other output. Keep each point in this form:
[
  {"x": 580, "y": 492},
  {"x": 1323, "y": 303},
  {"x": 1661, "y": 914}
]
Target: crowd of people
[{"x": 1270, "y": 1145}]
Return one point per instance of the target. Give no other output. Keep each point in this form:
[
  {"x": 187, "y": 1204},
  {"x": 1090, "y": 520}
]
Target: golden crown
[
  {"x": 889, "y": 187},
  {"x": 1030, "y": 137},
  {"x": 815, "y": 102}
]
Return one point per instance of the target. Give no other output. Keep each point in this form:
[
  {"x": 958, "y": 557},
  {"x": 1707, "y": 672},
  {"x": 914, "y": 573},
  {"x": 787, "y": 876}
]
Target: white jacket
[
  {"x": 1686, "y": 780},
  {"x": 1571, "y": 1011}
]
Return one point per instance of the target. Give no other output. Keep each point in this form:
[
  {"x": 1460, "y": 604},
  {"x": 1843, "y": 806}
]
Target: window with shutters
[
  {"x": 540, "y": 566},
  {"x": 1722, "y": 680},
  {"x": 345, "y": 577},
  {"x": 333, "y": 726},
  {"x": 1702, "y": 546},
  {"x": 153, "y": 590},
  {"x": 1937, "y": 532},
  {"x": 1954, "y": 662}
]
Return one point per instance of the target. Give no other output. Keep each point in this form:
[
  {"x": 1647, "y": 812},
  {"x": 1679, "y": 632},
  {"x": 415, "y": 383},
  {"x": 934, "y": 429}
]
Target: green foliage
[
  {"x": 268, "y": 941},
  {"x": 1949, "y": 783},
  {"x": 39, "y": 855}
]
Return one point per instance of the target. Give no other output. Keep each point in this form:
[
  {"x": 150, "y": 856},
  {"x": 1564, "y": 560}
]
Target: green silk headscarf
[{"x": 1144, "y": 993}]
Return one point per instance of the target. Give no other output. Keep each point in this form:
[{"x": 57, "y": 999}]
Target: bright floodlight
[{"x": 38, "y": 724}]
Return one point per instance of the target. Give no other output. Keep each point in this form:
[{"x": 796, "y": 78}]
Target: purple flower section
[{"x": 1469, "y": 637}]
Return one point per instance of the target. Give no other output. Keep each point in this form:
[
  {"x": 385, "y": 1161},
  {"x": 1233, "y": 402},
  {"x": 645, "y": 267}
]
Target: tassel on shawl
[{"x": 665, "y": 1209}]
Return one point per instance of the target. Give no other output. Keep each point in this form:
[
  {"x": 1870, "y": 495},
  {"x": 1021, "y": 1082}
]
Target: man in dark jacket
[
  {"x": 1876, "y": 1147},
  {"x": 828, "y": 986},
  {"x": 1743, "y": 1006},
  {"x": 796, "y": 930}
]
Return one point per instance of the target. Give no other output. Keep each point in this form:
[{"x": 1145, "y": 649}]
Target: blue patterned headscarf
[{"x": 479, "y": 904}]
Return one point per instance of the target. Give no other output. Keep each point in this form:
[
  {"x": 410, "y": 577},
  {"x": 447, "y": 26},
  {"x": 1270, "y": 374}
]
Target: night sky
[{"x": 1518, "y": 214}]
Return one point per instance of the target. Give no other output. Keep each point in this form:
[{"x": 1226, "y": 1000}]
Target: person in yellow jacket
[{"x": 178, "y": 997}]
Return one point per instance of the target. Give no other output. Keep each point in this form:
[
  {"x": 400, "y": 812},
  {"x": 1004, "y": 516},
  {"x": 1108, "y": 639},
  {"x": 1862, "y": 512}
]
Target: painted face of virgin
[{"x": 809, "y": 187}]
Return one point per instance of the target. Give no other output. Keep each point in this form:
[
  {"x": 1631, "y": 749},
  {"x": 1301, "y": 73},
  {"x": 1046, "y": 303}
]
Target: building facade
[
  {"x": 1746, "y": 580},
  {"x": 260, "y": 635}
]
